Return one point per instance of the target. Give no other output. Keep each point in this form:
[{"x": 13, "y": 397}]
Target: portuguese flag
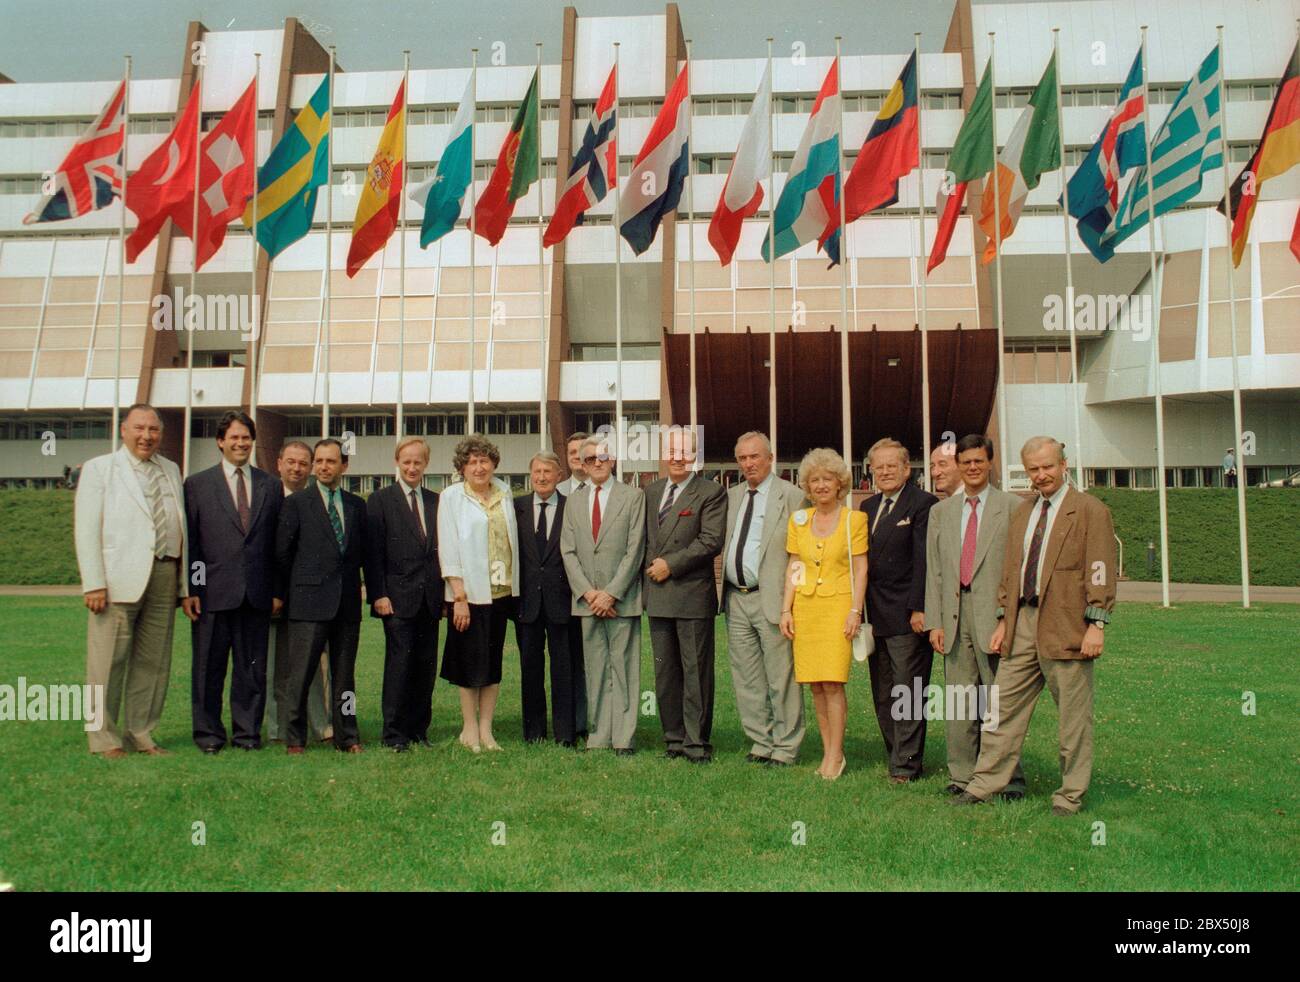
[
  {"x": 515, "y": 172},
  {"x": 1279, "y": 151}
]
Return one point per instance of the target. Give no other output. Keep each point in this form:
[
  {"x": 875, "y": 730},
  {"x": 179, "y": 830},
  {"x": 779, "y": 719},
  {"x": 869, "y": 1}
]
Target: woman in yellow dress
[{"x": 822, "y": 608}]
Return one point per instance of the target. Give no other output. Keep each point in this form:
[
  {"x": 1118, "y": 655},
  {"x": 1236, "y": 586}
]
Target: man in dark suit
[
  {"x": 404, "y": 585},
  {"x": 575, "y": 482},
  {"x": 320, "y": 550},
  {"x": 685, "y": 522},
  {"x": 898, "y": 519},
  {"x": 544, "y": 606},
  {"x": 232, "y": 511}
]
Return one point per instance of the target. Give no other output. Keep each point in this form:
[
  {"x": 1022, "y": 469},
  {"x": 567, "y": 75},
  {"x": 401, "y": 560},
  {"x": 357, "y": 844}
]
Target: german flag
[{"x": 1279, "y": 151}]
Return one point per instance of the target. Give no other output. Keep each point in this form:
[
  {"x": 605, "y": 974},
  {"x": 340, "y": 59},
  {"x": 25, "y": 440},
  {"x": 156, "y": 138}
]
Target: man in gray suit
[
  {"x": 964, "y": 547},
  {"x": 768, "y": 699},
  {"x": 685, "y": 517},
  {"x": 602, "y": 543}
]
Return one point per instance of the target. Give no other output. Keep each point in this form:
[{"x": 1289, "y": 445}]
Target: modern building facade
[{"x": 542, "y": 340}]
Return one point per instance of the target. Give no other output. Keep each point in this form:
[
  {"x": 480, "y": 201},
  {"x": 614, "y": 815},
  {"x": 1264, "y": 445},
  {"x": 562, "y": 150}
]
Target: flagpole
[
  {"x": 690, "y": 227},
  {"x": 1155, "y": 334},
  {"x": 541, "y": 256},
  {"x": 473, "y": 230},
  {"x": 329, "y": 245},
  {"x": 846, "y": 416},
  {"x": 252, "y": 295},
  {"x": 618, "y": 289},
  {"x": 401, "y": 251},
  {"x": 1069, "y": 270},
  {"x": 121, "y": 253},
  {"x": 1232, "y": 327},
  {"x": 771, "y": 237},
  {"x": 923, "y": 313},
  {"x": 194, "y": 272},
  {"x": 1003, "y": 435}
]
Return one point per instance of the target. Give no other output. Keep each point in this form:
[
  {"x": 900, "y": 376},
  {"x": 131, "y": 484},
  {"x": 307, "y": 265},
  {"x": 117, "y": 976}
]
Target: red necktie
[
  {"x": 415, "y": 510},
  {"x": 968, "y": 543},
  {"x": 241, "y": 499},
  {"x": 595, "y": 514}
]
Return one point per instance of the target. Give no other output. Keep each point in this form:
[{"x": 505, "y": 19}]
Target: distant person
[
  {"x": 1230, "y": 468},
  {"x": 945, "y": 478},
  {"x": 405, "y": 589},
  {"x": 576, "y": 481},
  {"x": 130, "y": 538},
  {"x": 232, "y": 512},
  {"x": 1056, "y": 597}
]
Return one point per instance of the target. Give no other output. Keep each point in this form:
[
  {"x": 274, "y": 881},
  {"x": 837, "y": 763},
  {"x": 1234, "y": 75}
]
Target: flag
[
  {"x": 971, "y": 159},
  {"x": 1279, "y": 151},
  {"x": 888, "y": 153},
  {"x": 287, "y": 183},
  {"x": 1295, "y": 239},
  {"x": 594, "y": 168},
  {"x": 165, "y": 177},
  {"x": 1094, "y": 188},
  {"x": 1187, "y": 145},
  {"x": 1033, "y": 148},
  {"x": 441, "y": 195},
  {"x": 91, "y": 173},
  {"x": 227, "y": 161},
  {"x": 381, "y": 195},
  {"x": 659, "y": 171},
  {"x": 517, "y": 167},
  {"x": 812, "y": 188},
  {"x": 743, "y": 192}
]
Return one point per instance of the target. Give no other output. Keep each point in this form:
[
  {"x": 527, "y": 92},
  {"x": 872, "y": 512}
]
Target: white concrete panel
[
  {"x": 641, "y": 55},
  {"x": 214, "y": 388},
  {"x": 595, "y": 381}
]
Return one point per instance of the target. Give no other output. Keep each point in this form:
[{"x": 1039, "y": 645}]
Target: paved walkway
[{"x": 1130, "y": 591}]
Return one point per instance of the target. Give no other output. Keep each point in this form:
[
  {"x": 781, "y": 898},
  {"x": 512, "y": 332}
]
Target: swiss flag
[
  {"x": 165, "y": 177},
  {"x": 226, "y": 172}
]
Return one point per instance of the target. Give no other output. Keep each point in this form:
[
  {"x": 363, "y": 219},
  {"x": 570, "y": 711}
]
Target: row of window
[
  {"x": 24, "y": 428},
  {"x": 1182, "y": 477},
  {"x": 1014, "y": 98},
  {"x": 416, "y": 424}
]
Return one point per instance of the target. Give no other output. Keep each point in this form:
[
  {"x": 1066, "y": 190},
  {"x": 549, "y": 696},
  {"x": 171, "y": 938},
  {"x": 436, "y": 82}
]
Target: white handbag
[{"x": 864, "y": 642}]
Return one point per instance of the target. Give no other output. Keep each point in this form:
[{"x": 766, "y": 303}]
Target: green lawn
[{"x": 1194, "y": 794}]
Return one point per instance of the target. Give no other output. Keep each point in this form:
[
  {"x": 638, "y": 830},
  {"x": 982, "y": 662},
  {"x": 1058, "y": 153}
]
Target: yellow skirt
[{"x": 821, "y": 651}]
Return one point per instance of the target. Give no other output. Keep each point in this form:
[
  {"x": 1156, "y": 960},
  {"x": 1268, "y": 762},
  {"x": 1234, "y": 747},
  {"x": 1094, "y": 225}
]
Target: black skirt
[{"x": 471, "y": 658}]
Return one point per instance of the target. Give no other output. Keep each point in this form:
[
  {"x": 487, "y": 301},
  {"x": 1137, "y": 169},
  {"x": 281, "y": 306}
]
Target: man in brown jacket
[{"x": 1057, "y": 593}]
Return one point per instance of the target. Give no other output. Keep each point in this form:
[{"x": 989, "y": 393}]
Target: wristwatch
[{"x": 1099, "y": 625}]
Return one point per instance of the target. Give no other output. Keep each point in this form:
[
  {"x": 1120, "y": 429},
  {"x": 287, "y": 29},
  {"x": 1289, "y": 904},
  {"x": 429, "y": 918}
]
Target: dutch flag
[{"x": 659, "y": 172}]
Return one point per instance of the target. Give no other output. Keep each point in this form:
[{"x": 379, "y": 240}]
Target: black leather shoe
[
  {"x": 624, "y": 751},
  {"x": 965, "y": 798},
  {"x": 212, "y": 751},
  {"x": 399, "y": 748},
  {"x": 567, "y": 743},
  {"x": 673, "y": 754},
  {"x": 954, "y": 789},
  {"x": 1012, "y": 796},
  {"x": 756, "y": 759}
]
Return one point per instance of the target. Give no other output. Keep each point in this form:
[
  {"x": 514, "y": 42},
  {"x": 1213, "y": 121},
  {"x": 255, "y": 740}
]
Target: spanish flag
[
  {"x": 381, "y": 195},
  {"x": 1279, "y": 151}
]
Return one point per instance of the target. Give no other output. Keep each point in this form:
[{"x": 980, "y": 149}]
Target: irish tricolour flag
[{"x": 811, "y": 193}]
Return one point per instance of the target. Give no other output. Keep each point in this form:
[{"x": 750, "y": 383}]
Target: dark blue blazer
[
  {"x": 324, "y": 583},
  {"x": 397, "y": 565},
  {"x": 236, "y": 566},
  {"x": 896, "y": 560},
  {"x": 543, "y": 584}
]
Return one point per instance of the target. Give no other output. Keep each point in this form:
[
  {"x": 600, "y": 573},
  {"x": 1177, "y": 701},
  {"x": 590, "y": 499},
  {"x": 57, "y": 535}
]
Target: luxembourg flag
[
  {"x": 812, "y": 191},
  {"x": 592, "y": 172},
  {"x": 659, "y": 171},
  {"x": 743, "y": 192}
]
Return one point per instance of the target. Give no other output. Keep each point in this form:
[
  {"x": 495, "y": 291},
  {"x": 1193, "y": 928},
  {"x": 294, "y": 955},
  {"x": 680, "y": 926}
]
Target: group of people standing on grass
[{"x": 1013, "y": 596}]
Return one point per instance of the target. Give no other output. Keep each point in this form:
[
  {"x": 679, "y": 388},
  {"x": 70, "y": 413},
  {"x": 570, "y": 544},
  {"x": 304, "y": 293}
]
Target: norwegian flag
[
  {"x": 593, "y": 169},
  {"x": 90, "y": 175}
]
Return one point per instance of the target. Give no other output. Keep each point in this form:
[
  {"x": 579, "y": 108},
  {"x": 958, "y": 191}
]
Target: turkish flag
[
  {"x": 165, "y": 177},
  {"x": 227, "y": 168}
]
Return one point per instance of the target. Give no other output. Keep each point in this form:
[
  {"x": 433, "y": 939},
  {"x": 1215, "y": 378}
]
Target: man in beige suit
[
  {"x": 768, "y": 699},
  {"x": 966, "y": 542},
  {"x": 130, "y": 536},
  {"x": 602, "y": 542},
  {"x": 1056, "y": 597}
]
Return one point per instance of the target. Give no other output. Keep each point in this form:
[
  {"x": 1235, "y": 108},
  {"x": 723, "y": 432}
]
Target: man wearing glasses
[{"x": 602, "y": 543}]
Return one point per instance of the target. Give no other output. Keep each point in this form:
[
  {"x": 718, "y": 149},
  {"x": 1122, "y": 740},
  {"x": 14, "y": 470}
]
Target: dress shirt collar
[
  {"x": 407, "y": 489},
  {"x": 1055, "y": 499},
  {"x": 983, "y": 496},
  {"x": 229, "y": 470}
]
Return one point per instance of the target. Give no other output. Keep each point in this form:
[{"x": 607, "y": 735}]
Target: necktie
[
  {"x": 885, "y": 508},
  {"x": 541, "y": 528},
  {"x": 335, "y": 519},
  {"x": 968, "y": 543},
  {"x": 595, "y": 513},
  {"x": 415, "y": 510},
  {"x": 742, "y": 536},
  {"x": 667, "y": 506},
  {"x": 1030, "y": 591},
  {"x": 153, "y": 481},
  {"x": 241, "y": 499}
]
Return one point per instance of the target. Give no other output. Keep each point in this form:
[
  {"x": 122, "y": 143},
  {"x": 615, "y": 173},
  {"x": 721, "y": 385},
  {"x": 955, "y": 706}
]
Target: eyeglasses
[{"x": 604, "y": 458}]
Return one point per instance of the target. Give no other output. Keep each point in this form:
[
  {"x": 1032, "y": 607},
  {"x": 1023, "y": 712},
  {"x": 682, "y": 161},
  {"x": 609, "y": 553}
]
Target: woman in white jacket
[{"x": 478, "y": 546}]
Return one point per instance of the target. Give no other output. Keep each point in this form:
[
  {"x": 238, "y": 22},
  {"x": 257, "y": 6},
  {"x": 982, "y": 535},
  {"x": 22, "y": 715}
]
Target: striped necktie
[
  {"x": 154, "y": 479},
  {"x": 335, "y": 520}
]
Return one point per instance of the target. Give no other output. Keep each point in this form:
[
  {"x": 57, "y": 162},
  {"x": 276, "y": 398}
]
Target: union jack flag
[
  {"x": 594, "y": 167},
  {"x": 91, "y": 174}
]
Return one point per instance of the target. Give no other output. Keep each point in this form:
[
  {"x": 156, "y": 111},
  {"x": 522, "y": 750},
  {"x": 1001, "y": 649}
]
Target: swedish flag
[{"x": 288, "y": 181}]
